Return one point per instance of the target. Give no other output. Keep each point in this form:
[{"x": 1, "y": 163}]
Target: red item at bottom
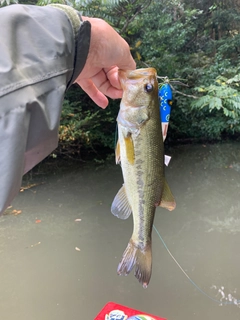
[{"x": 114, "y": 311}]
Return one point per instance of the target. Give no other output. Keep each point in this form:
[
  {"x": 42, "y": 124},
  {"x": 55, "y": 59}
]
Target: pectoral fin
[
  {"x": 167, "y": 200},
  {"x": 120, "y": 206},
  {"x": 129, "y": 148}
]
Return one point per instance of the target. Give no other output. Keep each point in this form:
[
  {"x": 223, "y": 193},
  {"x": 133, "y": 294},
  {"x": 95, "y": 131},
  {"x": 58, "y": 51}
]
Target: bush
[{"x": 85, "y": 129}]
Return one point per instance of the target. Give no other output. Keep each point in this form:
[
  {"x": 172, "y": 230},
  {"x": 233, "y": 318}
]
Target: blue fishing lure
[{"x": 165, "y": 97}]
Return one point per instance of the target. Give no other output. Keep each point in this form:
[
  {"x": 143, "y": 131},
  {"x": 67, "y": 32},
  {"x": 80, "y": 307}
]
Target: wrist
[{"x": 98, "y": 31}]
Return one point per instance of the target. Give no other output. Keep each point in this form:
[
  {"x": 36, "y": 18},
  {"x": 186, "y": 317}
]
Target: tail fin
[{"x": 141, "y": 258}]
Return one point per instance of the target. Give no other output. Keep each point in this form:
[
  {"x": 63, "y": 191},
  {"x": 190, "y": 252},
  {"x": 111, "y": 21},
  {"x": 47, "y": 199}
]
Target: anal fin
[{"x": 167, "y": 200}]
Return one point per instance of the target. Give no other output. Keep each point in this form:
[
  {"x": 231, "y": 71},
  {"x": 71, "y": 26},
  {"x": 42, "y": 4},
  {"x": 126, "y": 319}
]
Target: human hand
[{"x": 108, "y": 52}]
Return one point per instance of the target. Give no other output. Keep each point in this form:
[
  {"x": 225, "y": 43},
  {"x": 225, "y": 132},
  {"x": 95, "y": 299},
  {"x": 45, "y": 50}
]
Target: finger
[
  {"x": 108, "y": 83},
  {"x": 112, "y": 76},
  {"x": 97, "y": 96}
]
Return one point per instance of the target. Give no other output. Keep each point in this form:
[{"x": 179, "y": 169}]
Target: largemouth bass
[{"x": 140, "y": 151}]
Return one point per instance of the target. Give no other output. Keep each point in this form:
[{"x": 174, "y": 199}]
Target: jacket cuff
[
  {"x": 82, "y": 49},
  {"x": 82, "y": 37}
]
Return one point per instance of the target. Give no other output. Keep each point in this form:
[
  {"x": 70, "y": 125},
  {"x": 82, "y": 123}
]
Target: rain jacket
[{"x": 42, "y": 51}]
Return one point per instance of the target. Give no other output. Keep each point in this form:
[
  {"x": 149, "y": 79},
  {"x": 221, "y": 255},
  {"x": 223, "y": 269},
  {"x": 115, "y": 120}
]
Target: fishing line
[
  {"x": 193, "y": 283},
  {"x": 116, "y": 136},
  {"x": 219, "y": 302}
]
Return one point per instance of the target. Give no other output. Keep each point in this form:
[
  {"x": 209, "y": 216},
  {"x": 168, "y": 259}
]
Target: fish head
[
  {"x": 140, "y": 95},
  {"x": 139, "y": 86}
]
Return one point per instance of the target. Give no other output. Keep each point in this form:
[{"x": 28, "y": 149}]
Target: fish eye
[{"x": 148, "y": 87}]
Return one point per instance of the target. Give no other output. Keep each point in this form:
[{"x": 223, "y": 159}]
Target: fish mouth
[
  {"x": 136, "y": 74},
  {"x": 131, "y": 75}
]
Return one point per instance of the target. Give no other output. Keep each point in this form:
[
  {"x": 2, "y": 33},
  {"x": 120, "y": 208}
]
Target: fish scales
[
  {"x": 141, "y": 153},
  {"x": 142, "y": 179}
]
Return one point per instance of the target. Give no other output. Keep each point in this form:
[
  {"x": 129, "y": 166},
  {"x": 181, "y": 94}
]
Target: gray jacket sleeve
[{"x": 42, "y": 51}]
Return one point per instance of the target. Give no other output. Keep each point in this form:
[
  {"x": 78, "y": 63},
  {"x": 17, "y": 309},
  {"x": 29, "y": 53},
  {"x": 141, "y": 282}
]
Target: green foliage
[
  {"x": 224, "y": 98},
  {"x": 120, "y": 14},
  {"x": 4, "y": 3},
  {"x": 85, "y": 128},
  {"x": 196, "y": 44}
]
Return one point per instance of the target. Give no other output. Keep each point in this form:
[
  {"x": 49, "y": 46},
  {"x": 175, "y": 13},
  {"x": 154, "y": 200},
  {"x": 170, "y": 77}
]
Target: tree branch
[
  {"x": 184, "y": 94},
  {"x": 128, "y": 21}
]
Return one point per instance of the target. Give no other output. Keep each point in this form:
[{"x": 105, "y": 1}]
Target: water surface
[{"x": 55, "y": 268}]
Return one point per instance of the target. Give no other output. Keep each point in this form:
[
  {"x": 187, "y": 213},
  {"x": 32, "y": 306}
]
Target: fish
[{"x": 140, "y": 152}]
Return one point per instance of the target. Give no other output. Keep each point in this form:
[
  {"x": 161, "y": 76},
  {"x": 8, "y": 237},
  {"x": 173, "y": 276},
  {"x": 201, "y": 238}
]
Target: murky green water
[{"x": 44, "y": 276}]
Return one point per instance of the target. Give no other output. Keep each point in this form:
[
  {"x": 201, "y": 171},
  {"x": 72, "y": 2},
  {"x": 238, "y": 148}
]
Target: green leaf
[
  {"x": 236, "y": 78},
  {"x": 215, "y": 102},
  {"x": 201, "y": 102}
]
